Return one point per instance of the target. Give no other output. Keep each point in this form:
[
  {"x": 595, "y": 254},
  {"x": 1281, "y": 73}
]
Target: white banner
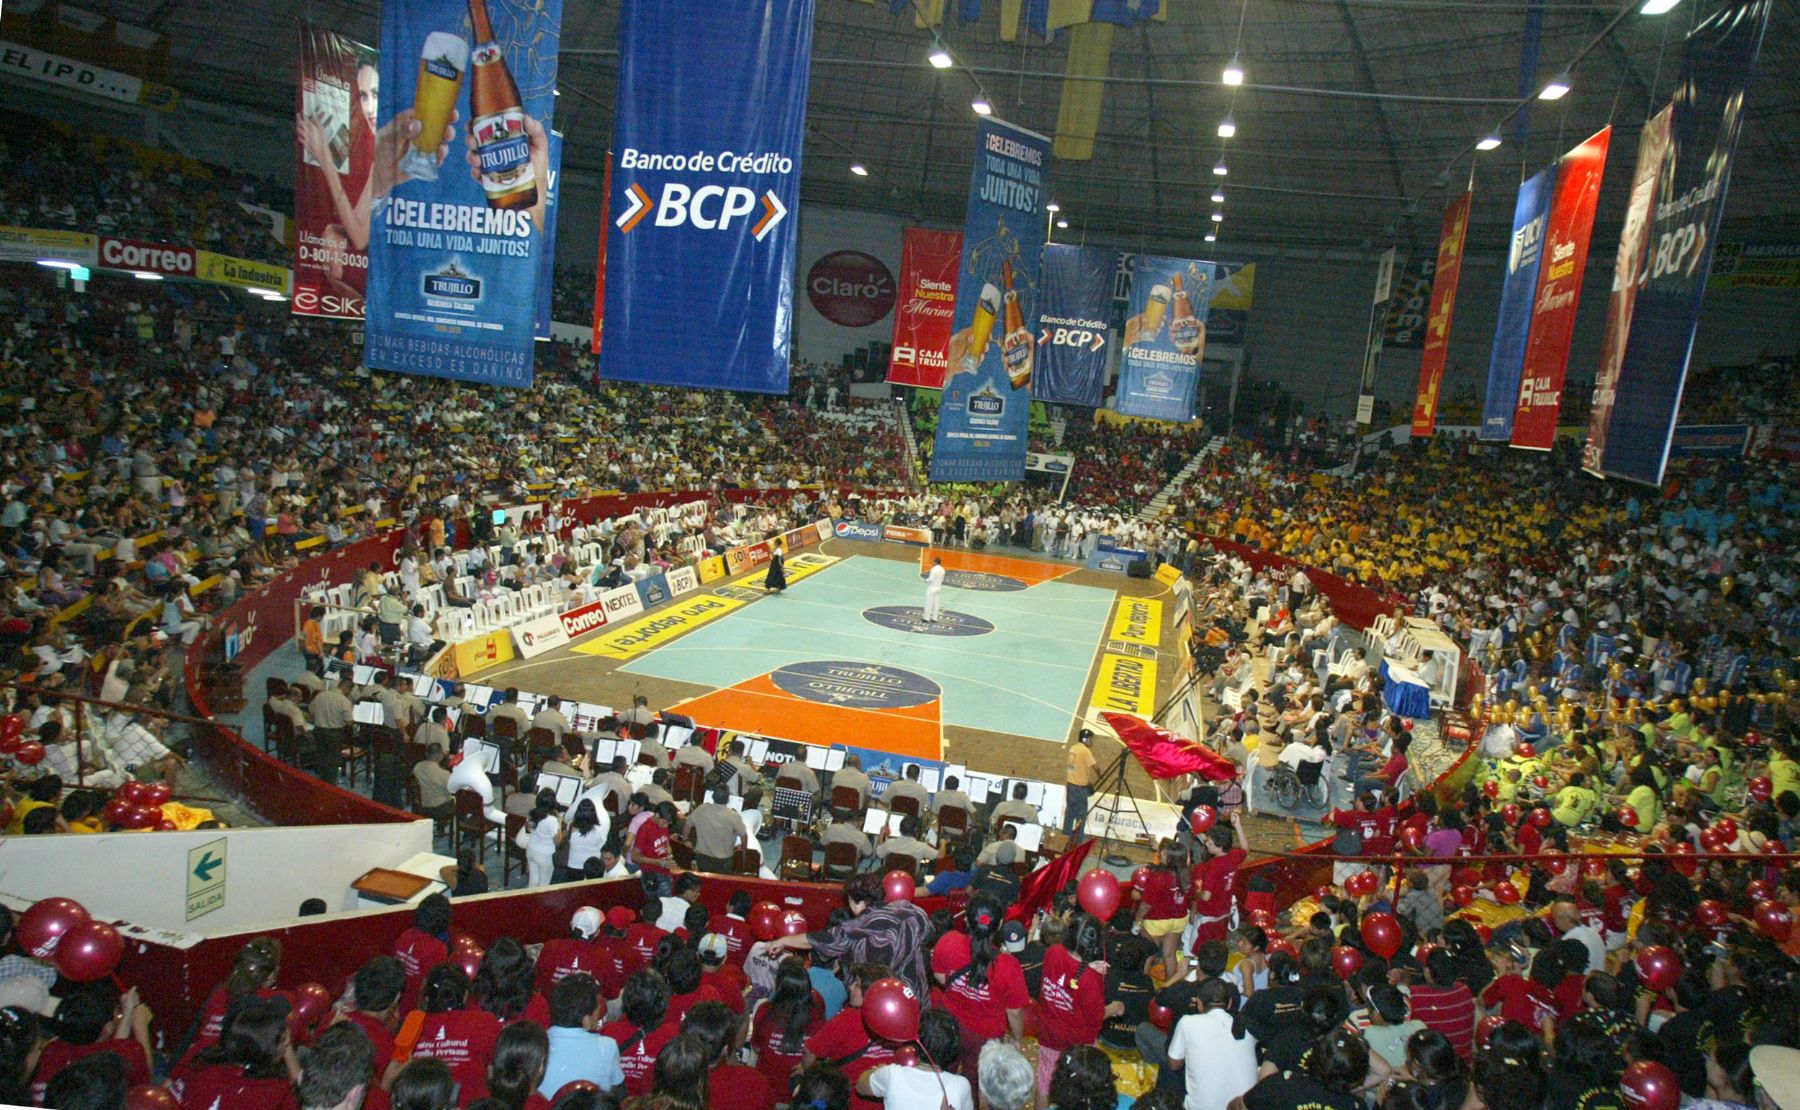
[
  {"x": 683, "y": 580},
  {"x": 54, "y": 69},
  {"x": 534, "y": 638},
  {"x": 622, "y": 602}
]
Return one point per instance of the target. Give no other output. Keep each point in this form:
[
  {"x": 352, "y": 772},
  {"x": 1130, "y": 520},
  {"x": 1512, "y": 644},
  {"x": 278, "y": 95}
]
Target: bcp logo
[
  {"x": 850, "y": 288},
  {"x": 709, "y": 208},
  {"x": 1090, "y": 338}
]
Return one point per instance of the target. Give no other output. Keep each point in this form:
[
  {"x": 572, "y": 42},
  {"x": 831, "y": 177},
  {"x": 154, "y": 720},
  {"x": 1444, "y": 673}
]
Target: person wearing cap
[
  {"x": 571, "y": 954},
  {"x": 26, "y": 993},
  {"x": 619, "y": 959},
  {"x": 1078, "y": 780},
  {"x": 717, "y": 972}
]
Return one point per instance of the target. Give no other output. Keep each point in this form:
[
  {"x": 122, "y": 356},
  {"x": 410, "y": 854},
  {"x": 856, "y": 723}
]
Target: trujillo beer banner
[
  {"x": 453, "y": 265},
  {"x": 928, "y": 263},
  {"x": 700, "y": 256},
  {"x": 1442, "y": 311},
  {"x": 1165, "y": 337},
  {"x": 334, "y": 104},
  {"x": 1558, "y": 294},
  {"x": 986, "y": 408},
  {"x": 1072, "y": 325},
  {"x": 546, "y": 279},
  {"x": 1717, "y": 66},
  {"x": 1513, "y": 327}
]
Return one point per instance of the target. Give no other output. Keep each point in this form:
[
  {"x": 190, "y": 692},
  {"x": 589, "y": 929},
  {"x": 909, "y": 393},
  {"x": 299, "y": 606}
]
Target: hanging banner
[
  {"x": 1565, "y": 252},
  {"x": 983, "y": 418},
  {"x": 546, "y": 276},
  {"x": 1628, "y": 278},
  {"x": 928, "y": 264},
  {"x": 1409, "y": 304},
  {"x": 1165, "y": 337},
  {"x": 1717, "y": 65},
  {"x": 701, "y": 252},
  {"x": 1072, "y": 325},
  {"x": 335, "y": 111},
  {"x": 600, "y": 258},
  {"x": 453, "y": 266},
  {"x": 1443, "y": 309},
  {"x": 1384, "y": 286},
  {"x": 1507, "y": 363}
]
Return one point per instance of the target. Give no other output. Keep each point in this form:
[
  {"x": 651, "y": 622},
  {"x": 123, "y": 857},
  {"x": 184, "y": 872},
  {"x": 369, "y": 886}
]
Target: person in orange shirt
[
  {"x": 312, "y": 641},
  {"x": 1079, "y": 780}
]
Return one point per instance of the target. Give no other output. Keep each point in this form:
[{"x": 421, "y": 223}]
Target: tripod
[{"x": 1110, "y": 794}]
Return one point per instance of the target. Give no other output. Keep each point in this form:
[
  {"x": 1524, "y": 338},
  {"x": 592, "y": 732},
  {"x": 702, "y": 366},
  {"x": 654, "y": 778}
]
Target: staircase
[
  {"x": 1160, "y": 503},
  {"x": 912, "y": 447}
]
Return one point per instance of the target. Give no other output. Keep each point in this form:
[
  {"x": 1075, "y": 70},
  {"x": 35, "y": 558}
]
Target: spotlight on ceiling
[
  {"x": 1062, "y": 223},
  {"x": 1053, "y": 207},
  {"x": 1488, "y": 142},
  {"x": 1218, "y": 217},
  {"x": 1211, "y": 238},
  {"x": 859, "y": 169},
  {"x": 1227, "y": 128},
  {"x": 1234, "y": 73},
  {"x": 1220, "y": 170},
  {"x": 981, "y": 106},
  {"x": 940, "y": 58},
  {"x": 1657, "y": 7},
  {"x": 1218, "y": 196},
  {"x": 1558, "y": 87}
]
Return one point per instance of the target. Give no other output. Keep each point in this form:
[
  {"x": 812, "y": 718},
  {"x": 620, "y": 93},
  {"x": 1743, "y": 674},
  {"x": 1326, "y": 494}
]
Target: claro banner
[
  {"x": 928, "y": 262},
  {"x": 335, "y": 102},
  {"x": 700, "y": 254}
]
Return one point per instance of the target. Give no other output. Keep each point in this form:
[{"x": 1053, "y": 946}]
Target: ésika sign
[{"x": 850, "y": 288}]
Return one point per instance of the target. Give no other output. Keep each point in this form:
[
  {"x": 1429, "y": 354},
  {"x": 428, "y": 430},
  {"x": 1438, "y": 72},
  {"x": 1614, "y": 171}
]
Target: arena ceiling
[{"x": 1355, "y": 117}]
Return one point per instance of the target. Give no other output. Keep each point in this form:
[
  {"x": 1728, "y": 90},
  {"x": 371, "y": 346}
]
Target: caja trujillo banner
[
  {"x": 335, "y": 106},
  {"x": 984, "y": 418},
  {"x": 461, "y": 180},
  {"x": 1717, "y": 66},
  {"x": 1443, "y": 310},
  {"x": 700, "y": 252},
  {"x": 1558, "y": 294},
  {"x": 1165, "y": 337},
  {"x": 928, "y": 264},
  {"x": 1524, "y": 252},
  {"x": 1073, "y": 325}
]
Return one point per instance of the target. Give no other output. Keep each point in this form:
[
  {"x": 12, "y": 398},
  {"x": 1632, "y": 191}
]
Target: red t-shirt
[
  {"x": 212, "y": 1024},
  {"x": 566, "y": 956},
  {"x": 619, "y": 961},
  {"x": 379, "y": 1035},
  {"x": 1449, "y": 1010},
  {"x": 1520, "y": 999},
  {"x": 464, "y": 1040},
  {"x": 1218, "y": 878},
  {"x": 981, "y": 1010},
  {"x": 638, "y": 1051},
  {"x": 1617, "y": 907},
  {"x": 1071, "y": 1001},
  {"x": 844, "y": 1041},
  {"x": 736, "y": 932},
  {"x": 775, "y": 1058},
  {"x": 1569, "y": 993},
  {"x": 418, "y": 953},
  {"x": 740, "y": 1087},
  {"x": 643, "y": 938},
  {"x": 729, "y": 984},
  {"x": 58, "y": 1055},
  {"x": 1163, "y": 896},
  {"x": 1367, "y": 825},
  {"x": 1382, "y": 842},
  {"x": 652, "y": 843},
  {"x": 226, "y": 1087},
  {"x": 680, "y": 1004}
]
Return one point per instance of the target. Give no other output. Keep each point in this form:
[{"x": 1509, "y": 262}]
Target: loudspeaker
[{"x": 1137, "y": 568}]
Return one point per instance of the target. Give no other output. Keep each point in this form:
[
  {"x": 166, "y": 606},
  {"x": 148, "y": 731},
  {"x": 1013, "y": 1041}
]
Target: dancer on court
[
  {"x": 934, "y": 591},
  {"x": 776, "y": 580}
]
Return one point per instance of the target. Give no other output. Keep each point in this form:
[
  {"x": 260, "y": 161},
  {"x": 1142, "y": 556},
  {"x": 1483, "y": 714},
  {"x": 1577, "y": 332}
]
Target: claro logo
[
  {"x": 576, "y": 622},
  {"x": 850, "y": 288}
]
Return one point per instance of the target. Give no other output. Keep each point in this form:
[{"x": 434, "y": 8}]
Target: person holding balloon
[
  {"x": 96, "y": 1018},
  {"x": 884, "y": 928},
  {"x": 1213, "y": 888}
]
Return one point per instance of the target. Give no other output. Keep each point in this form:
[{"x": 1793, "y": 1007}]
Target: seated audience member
[
  {"x": 577, "y": 1049},
  {"x": 95, "y": 1018}
]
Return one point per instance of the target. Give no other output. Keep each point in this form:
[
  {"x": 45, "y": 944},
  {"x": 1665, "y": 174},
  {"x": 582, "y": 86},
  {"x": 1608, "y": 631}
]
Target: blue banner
[
  {"x": 1072, "y": 325},
  {"x": 1719, "y": 61},
  {"x": 706, "y": 178},
  {"x": 1507, "y": 365},
  {"x": 1710, "y": 441},
  {"x": 455, "y": 233},
  {"x": 546, "y": 282},
  {"x": 986, "y": 407},
  {"x": 1165, "y": 337}
]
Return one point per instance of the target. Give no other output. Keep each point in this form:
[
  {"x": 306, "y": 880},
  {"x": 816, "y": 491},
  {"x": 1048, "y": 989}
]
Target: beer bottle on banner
[
  {"x": 1184, "y": 329},
  {"x": 501, "y": 145},
  {"x": 1015, "y": 342}
]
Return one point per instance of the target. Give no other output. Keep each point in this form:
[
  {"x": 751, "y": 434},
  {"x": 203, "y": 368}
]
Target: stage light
[
  {"x": 1211, "y": 238},
  {"x": 1053, "y": 207},
  {"x": 1218, "y": 217},
  {"x": 1488, "y": 142},
  {"x": 1234, "y": 73},
  {"x": 1657, "y": 7},
  {"x": 1220, "y": 170},
  {"x": 941, "y": 59},
  {"x": 1558, "y": 87},
  {"x": 981, "y": 106},
  {"x": 146, "y": 275},
  {"x": 1227, "y": 128},
  {"x": 859, "y": 169},
  {"x": 1062, "y": 223},
  {"x": 1218, "y": 196}
]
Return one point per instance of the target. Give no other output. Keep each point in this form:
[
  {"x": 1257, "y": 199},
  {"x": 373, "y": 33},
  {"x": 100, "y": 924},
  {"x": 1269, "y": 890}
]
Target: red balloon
[
  {"x": 1361, "y": 884},
  {"x": 1556, "y": 865},
  {"x": 1686, "y": 866},
  {"x": 1491, "y": 788},
  {"x": 46, "y": 922},
  {"x": 890, "y": 1010},
  {"x": 166, "y": 825},
  {"x": 1542, "y": 782},
  {"x": 1712, "y": 840},
  {"x": 1509, "y": 813},
  {"x": 1507, "y": 893},
  {"x": 1711, "y": 913},
  {"x": 1774, "y": 848},
  {"x": 1323, "y": 893},
  {"x": 898, "y": 886},
  {"x": 1759, "y": 890},
  {"x": 148, "y": 1097},
  {"x": 1648, "y": 1084},
  {"x": 1140, "y": 877},
  {"x": 793, "y": 923},
  {"x": 1468, "y": 876},
  {"x": 1346, "y": 961},
  {"x": 1462, "y": 894},
  {"x": 89, "y": 951},
  {"x": 1203, "y": 819},
  {"x": 1658, "y": 967},
  {"x": 1282, "y": 944},
  {"x": 1486, "y": 933},
  {"x": 1161, "y": 1016},
  {"x": 31, "y": 753},
  {"x": 468, "y": 958},
  {"x": 1413, "y": 837},
  {"x": 311, "y": 1002},
  {"x": 765, "y": 920},
  {"x": 1264, "y": 919},
  {"x": 132, "y": 791},
  {"x": 9, "y": 745},
  {"x": 906, "y": 1056},
  {"x": 158, "y": 794},
  {"x": 1774, "y": 919},
  {"x": 1727, "y": 828},
  {"x": 1761, "y": 788},
  {"x": 1486, "y": 1028},
  {"x": 12, "y": 725},
  {"x": 1627, "y": 816},
  {"x": 1525, "y": 751},
  {"x": 1593, "y": 868},
  {"x": 1098, "y": 893},
  {"x": 142, "y": 817},
  {"x": 1382, "y": 934},
  {"x": 116, "y": 811},
  {"x": 1541, "y": 818}
]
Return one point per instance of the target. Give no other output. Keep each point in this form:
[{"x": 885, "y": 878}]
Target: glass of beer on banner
[
  {"x": 982, "y": 328},
  {"x": 1154, "y": 310},
  {"x": 442, "y": 63}
]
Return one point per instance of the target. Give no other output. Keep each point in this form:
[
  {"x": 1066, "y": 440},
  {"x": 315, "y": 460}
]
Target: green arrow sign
[
  {"x": 206, "y": 878},
  {"x": 205, "y": 868}
]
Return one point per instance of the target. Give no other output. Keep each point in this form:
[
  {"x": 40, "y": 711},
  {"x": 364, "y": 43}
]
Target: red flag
[
  {"x": 1166, "y": 755},
  {"x": 1039, "y": 887},
  {"x": 1443, "y": 306},
  {"x": 929, "y": 261}
]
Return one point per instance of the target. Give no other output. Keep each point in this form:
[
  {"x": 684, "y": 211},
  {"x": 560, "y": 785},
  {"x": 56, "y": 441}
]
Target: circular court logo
[
  {"x": 911, "y": 618},
  {"x": 855, "y": 685},
  {"x": 978, "y": 580}
]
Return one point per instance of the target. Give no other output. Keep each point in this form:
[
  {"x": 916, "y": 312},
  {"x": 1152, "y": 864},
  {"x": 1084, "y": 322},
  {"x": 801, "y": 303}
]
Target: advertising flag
[
  {"x": 455, "y": 235},
  {"x": 1072, "y": 325},
  {"x": 334, "y": 110},
  {"x": 1628, "y": 276},
  {"x": 546, "y": 279},
  {"x": 1507, "y": 363},
  {"x": 1443, "y": 308},
  {"x": 1384, "y": 287},
  {"x": 1165, "y": 337},
  {"x": 928, "y": 265},
  {"x": 1717, "y": 65},
  {"x": 700, "y": 255},
  {"x": 1558, "y": 292},
  {"x": 1410, "y": 304},
  {"x": 985, "y": 412}
]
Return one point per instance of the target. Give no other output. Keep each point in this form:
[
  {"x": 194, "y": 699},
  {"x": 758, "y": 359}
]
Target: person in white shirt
[
  {"x": 901, "y": 1087},
  {"x": 934, "y": 591},
  {"x": 1224, "y": 1065}
]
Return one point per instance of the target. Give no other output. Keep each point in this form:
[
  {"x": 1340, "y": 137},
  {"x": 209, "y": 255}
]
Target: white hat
[
  {"x": 1777, "y": 1072},
  {"x": 27, "y": 993},
  {"x": 713, "y": 947},
  {"x": 586, "y": 922}
]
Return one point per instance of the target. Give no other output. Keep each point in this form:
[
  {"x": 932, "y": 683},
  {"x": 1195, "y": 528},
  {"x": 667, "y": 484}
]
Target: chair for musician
[
  {"x": 280, "y": 736},
  {"x": 690, "y": 783},
  {"x": 510, "y": 852},
  {"x": 796, "y": 858},
  {"x": 746, "y": 861},
  {"x": 472, "y": 726},
  {"x": 904, "y": 805},
  {"x": 840, "y": 861},
  {"x": 540, "y": 746},
  {"x": 359, "y": 748},
  {"x": 953, "y": 824},
  {"x": 472, "y": 825},
  {"x": 845, "y": 801}
]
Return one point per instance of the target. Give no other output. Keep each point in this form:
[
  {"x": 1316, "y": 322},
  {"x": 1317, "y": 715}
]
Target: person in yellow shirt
[
  {"x": 1079, "y": 780},
  {"x": 39, "y": 793}
]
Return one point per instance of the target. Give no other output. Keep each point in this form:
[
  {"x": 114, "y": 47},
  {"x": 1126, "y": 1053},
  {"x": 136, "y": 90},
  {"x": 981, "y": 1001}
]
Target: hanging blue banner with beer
[
  {"x": 706, "y": 178},
  {"x": 457, "y": 226},
  {"x": 1634, "y": 414},
  {"x": 1165, "y": 337},
  {"x": 546, "y": 281},
  {"x": 983, "y": 418},
  {"x": 1072, "y": 325},
  {"x": 1507, "y": 364}
]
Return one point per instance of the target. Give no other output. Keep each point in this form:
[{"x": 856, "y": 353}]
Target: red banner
[
  {"x": 334, "y": 146},
  {"x": 1558, "y": 292},
  {"x": 1437, "y": 320},
  {"x": 600, "y": 265},
  {"x": 928, "y": 263},
  {"x": 150, "y": 258}
]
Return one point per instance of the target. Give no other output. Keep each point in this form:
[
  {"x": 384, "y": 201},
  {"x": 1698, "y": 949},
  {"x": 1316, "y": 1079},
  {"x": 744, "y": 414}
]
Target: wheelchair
[{"x": 1306, "y": 788}]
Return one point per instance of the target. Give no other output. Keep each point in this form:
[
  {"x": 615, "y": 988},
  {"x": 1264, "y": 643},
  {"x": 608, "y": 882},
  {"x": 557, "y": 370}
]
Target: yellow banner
[
  {"x": 28, "y": 244},
  {"x": 641, "y": 635},
  {"x": 1125, "y": 685},
  {"x": 1168, "y": 574},
  {"x": 1108, "y": 416},
  {"x": 800, "y": 566},
  {"x": 223, "y": 269},
  {"x": 483, "y": 652},
  {"x": 711, "y": 568},
  {"x": 1138, "y": 621}
]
